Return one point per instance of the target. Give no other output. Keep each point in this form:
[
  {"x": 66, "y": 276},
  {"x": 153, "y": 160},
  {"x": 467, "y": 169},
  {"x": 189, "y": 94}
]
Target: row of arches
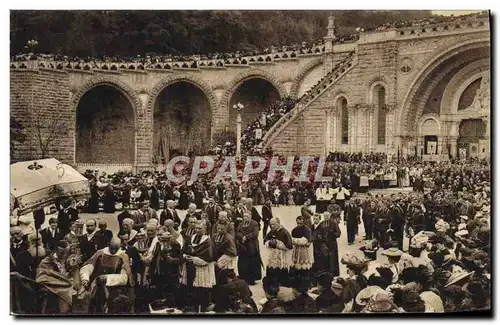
[{"x": 182, "y": 118}]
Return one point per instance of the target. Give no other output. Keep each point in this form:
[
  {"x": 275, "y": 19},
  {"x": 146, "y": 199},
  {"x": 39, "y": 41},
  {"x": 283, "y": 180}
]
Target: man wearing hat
[
  {"x": 325, "y": 236},
  {"x": 247, "y": 244}
]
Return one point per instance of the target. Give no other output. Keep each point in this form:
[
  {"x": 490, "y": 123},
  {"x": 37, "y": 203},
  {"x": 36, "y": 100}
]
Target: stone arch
[
  {"x": 405, "y": 115},
  {"x": 110, "y": 81},
  {"x": 130, "y": 94},
  {"x": 198, "y": 82},
  {"x": 233, "y": 85},
  {"x": 297, "y": 80},
  {"x": 427, "y": 117},
  {"x": 459, "y": 82},
  {"x": 205, "y": 90},
  {"x": 378, "y": 80}
]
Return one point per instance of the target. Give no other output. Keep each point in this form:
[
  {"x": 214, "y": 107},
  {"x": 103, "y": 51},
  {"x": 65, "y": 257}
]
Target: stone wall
[{"x": 40, "y": 102}]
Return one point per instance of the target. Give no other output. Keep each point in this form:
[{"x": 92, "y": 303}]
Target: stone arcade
[{"x": 422, "y": 90}]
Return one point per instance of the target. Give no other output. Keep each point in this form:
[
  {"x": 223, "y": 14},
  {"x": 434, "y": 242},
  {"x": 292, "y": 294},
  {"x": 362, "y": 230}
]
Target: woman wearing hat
[{"x": 356, "y": 281}]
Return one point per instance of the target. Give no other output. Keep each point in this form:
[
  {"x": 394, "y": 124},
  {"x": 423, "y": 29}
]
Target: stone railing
[
  {"x": 316, "y": 91},
  {"x": 107, "y": 168},
  {"x": 448, "y": 27},
  {"x": 82, "y": 65}
]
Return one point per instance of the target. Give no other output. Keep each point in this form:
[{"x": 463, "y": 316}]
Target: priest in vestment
[
  {"x": 225, "y": 247},
  {"x": 198, "y": 269},
  {"x": 302, "y": 253},
  {"x": 279, "y": 244},
  {"x": 106, "y": 275}
]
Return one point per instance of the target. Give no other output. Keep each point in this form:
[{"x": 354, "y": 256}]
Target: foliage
[
  {"x": 46, "y": 131},
  {"x": 132, "y": 33}
]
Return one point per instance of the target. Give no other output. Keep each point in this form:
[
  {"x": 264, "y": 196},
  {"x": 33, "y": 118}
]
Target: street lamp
[{"x": 239, "y": 106}]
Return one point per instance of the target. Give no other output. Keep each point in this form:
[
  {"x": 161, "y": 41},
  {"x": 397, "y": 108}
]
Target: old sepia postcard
[{"x": 250, "y": 162}]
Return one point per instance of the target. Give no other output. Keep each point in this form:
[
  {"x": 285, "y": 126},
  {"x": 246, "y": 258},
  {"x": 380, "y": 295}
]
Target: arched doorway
[
  {"x": 433, "y": 93},
  {"x": 182, "y": 122},
  {"x": 105, "y": 127},
  {"x": 429, "y": 133},
  {"x": 256, "y": 94},
  {"x": 471, "y": 132}
]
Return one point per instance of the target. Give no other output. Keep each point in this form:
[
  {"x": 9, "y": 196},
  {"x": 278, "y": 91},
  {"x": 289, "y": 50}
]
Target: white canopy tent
[{"x": 36, "y": 184}]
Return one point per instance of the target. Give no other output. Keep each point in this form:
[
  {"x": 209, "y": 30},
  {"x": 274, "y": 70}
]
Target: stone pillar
[{"x": 453, "y": 146}]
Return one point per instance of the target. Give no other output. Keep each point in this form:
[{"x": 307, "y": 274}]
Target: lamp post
[{"x": 239, "y": 107}]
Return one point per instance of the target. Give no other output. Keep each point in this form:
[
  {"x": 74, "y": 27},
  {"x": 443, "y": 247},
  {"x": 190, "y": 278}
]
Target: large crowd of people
[
  {"x": 432, "y": 20},
  {"x": 209, "y": 261}
]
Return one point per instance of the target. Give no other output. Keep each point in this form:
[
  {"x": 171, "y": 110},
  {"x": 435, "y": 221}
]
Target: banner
[
  {"x": 431, "y": 147},
  {"x": 462, "y": 153}
]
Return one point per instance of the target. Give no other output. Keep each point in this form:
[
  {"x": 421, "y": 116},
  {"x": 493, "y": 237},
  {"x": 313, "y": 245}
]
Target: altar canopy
[{"x": 38, "y": 183}]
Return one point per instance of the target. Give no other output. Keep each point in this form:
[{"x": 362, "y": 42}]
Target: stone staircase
[{"x": 326, "y": 82}]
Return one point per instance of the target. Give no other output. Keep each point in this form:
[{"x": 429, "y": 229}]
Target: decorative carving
[
  {"x": 418, "y": 46},
  {"x": 406, "y": 65}
]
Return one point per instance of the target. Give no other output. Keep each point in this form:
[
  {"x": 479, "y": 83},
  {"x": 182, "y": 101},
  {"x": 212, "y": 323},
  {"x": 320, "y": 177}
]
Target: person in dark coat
[
  {"x": 103, "y": 235},
  {"x": 302, "y": 303},
  {"x": 247, "y": 243},
  {"x": 109, "y": 200},
  {"x": 126, "y": 195},
  {"x": 351, "y": 220},
  {"x": 183, "y": 199},
  {"x": 154, "y": 200},
  {"x": 255, "y": 214},
  {"x": 88, "y": 241},
  {"x": 306, "y": 213},
  {"x": 18, "y": 247},
  {"x": 212, "y": 210},
  {"x": 122, "y": 216},
  {"x": 367, "y": 216},
  {"x": 267, "y": 215},
  {"x": 356, "y": 266},
  {"x": 66, "y": 217},
  {"x": 397, "y": 216},
  {"x": 39, "y": 217},
  {"x": 279, "y": 244},
  {"x": 191, "y": 212},
  {"x": 165, "y": 269},
  {"x": 93, "y": 203},
  {"x": 169, "y": 212},
  {"x": 271, "y": 289},
  {"x": 302, "y": 254},
  {"x": 51, "y": 235},
  {"x": 232, "y": 292},
  {"x": 329, "y": 299},
  {"x": 325, "y": 236},
  {"x": 220, "y": 192}
]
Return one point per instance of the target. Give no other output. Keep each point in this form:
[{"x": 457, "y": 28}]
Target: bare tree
[{"x": 46, "y": 130}]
